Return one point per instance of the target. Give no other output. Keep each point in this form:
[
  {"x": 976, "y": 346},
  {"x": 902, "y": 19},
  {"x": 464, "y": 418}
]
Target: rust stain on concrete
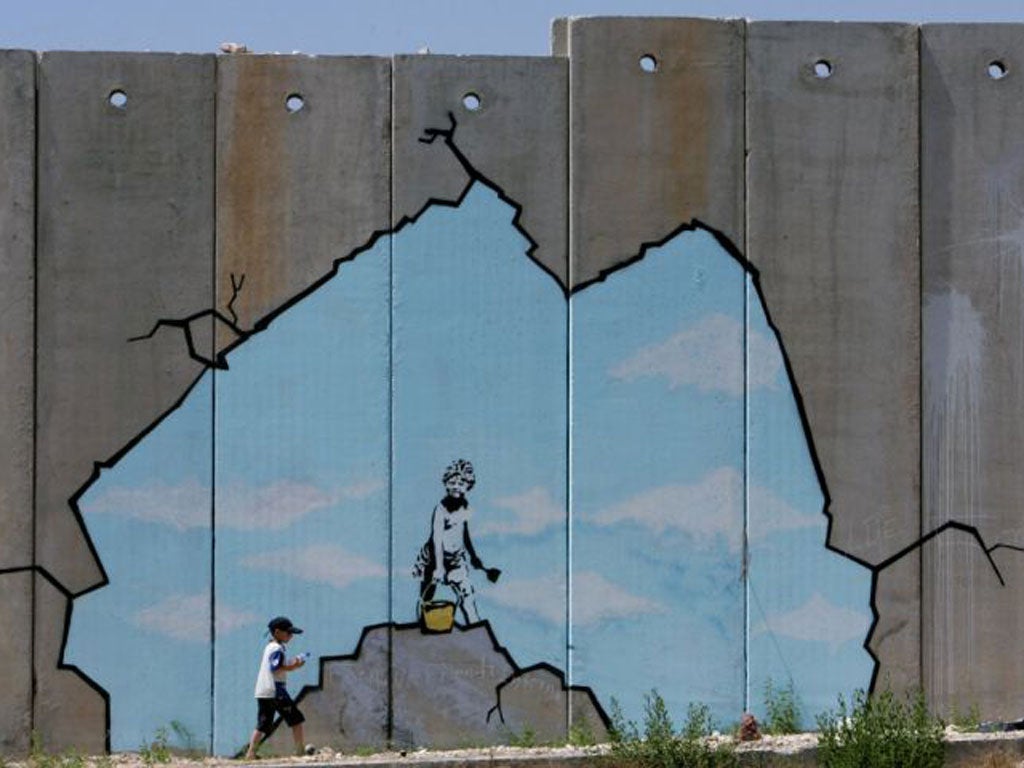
[{"x": 253, "y": 196}]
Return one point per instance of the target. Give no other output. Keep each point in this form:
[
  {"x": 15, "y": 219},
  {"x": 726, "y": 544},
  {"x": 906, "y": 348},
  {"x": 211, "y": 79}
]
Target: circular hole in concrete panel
[
  {"x": 471, "y": 101},
  {"x": 118, "y": 99},
  {"x": 294, "y": 103},
  {"x": 997, "y": 70},
  {"x": 823, "y": 69},
  {"x": 648, "y": 63}
]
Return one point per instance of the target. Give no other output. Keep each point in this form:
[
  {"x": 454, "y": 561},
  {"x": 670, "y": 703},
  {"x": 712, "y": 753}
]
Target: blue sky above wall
[{"x": 683, "y": 420}]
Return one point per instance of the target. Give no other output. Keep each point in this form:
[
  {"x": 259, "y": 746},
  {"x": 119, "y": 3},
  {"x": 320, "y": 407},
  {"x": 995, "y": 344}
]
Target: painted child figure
[
  {"x": 271, "y": 686},
  {"x": 446, "y": 556}
]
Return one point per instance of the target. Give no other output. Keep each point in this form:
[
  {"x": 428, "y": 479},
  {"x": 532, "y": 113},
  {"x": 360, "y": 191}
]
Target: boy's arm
[{"x": 279, "y": 661}]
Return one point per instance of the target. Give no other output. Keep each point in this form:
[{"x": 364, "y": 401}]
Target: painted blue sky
[{"x": 682, "y": 423}]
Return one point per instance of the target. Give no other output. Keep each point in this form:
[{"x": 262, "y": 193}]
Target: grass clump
[
  {"x": 158, "y": 750},
  {"x": 880, "y": 731},
  {"x": 38, "y": 757},
  {"x": 782, "y": 710},
  {"x": 659, "y": 745},
  {"x": 581, "y": 734}
]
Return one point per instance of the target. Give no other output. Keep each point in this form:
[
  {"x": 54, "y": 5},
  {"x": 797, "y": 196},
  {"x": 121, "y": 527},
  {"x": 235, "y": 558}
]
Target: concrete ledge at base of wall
[{"x": 799, "y": 751}]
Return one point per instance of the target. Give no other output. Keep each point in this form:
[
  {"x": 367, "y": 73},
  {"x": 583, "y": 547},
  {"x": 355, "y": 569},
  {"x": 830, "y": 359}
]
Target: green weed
[
  {"x": 580, "y": 733},
  {"x": 965, "y": 721},
  {"x": 527, "y": 738},
  {"x": 659, "y": 745},
  {"x": 158, "y": 750},
  {"x": 880, "y": 731},
  {"x": 782, "y": 709}
]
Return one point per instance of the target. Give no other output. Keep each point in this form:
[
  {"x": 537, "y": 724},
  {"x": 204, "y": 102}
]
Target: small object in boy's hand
[
  {"x": 493, "y": 574},
  {"x": 303, "y": 657}
]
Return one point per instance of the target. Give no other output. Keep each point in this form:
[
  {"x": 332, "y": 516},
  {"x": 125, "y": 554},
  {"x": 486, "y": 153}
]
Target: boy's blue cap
[{"x": 285, "y": 624}]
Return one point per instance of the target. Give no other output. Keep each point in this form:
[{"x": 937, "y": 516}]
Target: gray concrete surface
[
  {"x": 652, "y": 150},
  {"x": 17, "y": 284},
  {"x": 16, "y": 650},
  {"x": 969, "y": 640},
  {"x": 517, "y": 138},
  {"x": 68, "y": 712},
  {"x": 125, "y": 238},
  {"x": 126, "y": 211},
  {"x": 17, "y": 362},
  {"x": 972, "y": 177},
  {"x": 832, "y": 206},
  {"x": 296, "y": 190}
]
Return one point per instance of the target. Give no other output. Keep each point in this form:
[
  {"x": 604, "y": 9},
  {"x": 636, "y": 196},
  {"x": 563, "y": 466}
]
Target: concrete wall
[{"x": 724, "y": 315}]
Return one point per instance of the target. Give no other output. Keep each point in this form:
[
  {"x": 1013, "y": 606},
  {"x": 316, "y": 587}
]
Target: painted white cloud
[
  {"x": 533, "y": 511},
  {"x": 187, "y": 505},
  {"x": 708, "y": 356},
  {"x": 321, "y": 563},
  {"x": 187, "y": 618},
  {"x": 709, "y": 510},
  {"x": 595, "y": 599},
  {"x": 768, "y": 514},
  {"x": 818, "y": 620}
]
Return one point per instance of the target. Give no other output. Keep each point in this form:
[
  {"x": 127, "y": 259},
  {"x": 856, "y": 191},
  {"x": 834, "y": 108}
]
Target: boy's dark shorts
[{"x": 282, "y": 703}]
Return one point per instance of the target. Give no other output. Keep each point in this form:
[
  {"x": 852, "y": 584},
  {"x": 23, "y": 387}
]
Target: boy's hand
[{"x": 493, "y": 574}]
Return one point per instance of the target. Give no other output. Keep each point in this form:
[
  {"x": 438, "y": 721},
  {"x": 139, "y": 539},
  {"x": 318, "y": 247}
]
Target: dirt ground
[{"x": 781, "y": 745}]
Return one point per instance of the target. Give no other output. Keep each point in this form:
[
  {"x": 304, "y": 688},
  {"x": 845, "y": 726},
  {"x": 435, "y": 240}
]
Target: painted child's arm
[
  {"x": 437, "y": 533},
  {"x": 474, "y": 559}
]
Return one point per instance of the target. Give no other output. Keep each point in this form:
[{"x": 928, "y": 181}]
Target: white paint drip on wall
[{"x": 954, "y": 346}]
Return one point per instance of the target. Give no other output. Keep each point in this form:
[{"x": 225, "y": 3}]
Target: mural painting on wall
[{"x": 680, "y": 517}]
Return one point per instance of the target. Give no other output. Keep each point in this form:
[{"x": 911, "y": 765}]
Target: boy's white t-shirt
[{"x": 271, "y": 670}]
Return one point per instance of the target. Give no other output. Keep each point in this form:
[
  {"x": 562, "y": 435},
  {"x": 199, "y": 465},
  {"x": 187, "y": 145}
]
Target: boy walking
[{"x": 271, "y": 686}]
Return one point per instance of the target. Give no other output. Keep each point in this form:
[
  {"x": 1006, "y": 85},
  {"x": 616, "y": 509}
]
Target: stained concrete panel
[
  {"x": 16, "y": 647},
  {"x": 479, "y": 335},
  {"x": 970, "y": 644},
  {"x": 17, "y": 360},
  {"x": 652, "y": 150},
  {"x": 125, "y": 239},
  {"x": 70, "y": 711},
  {"x": 303, "y": 174},
  {"x": 832, "y": 204},
  {"x": 516, "y": 137},
  {"x": 972, "y": 177},
  {"x": 17, "y": 212},
  {"x": 302, "y": 409}
]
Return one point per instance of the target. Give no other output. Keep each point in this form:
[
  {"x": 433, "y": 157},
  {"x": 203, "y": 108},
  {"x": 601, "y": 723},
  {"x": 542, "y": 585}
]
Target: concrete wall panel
[
  {"x": 302, "y": 410},
  {"x": 17, "y": 275},
  {"x": 652, "y": 150},
  {"x": 479, "y": 374},
  {"x": 303, "y": 156},
  {"x": 832, "y": 204},
  {"x": 126, "y": 211},
  {"x": 658, "y": 483},
  {"x": 16, "y": 646},
  {"x": 516, "y": 136},
  {"x": 70, "y": 711},
  {"x": 17, "y": 361},
  {"x": 125, "y": 241},
  {"x": 972, "y": 178}
]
